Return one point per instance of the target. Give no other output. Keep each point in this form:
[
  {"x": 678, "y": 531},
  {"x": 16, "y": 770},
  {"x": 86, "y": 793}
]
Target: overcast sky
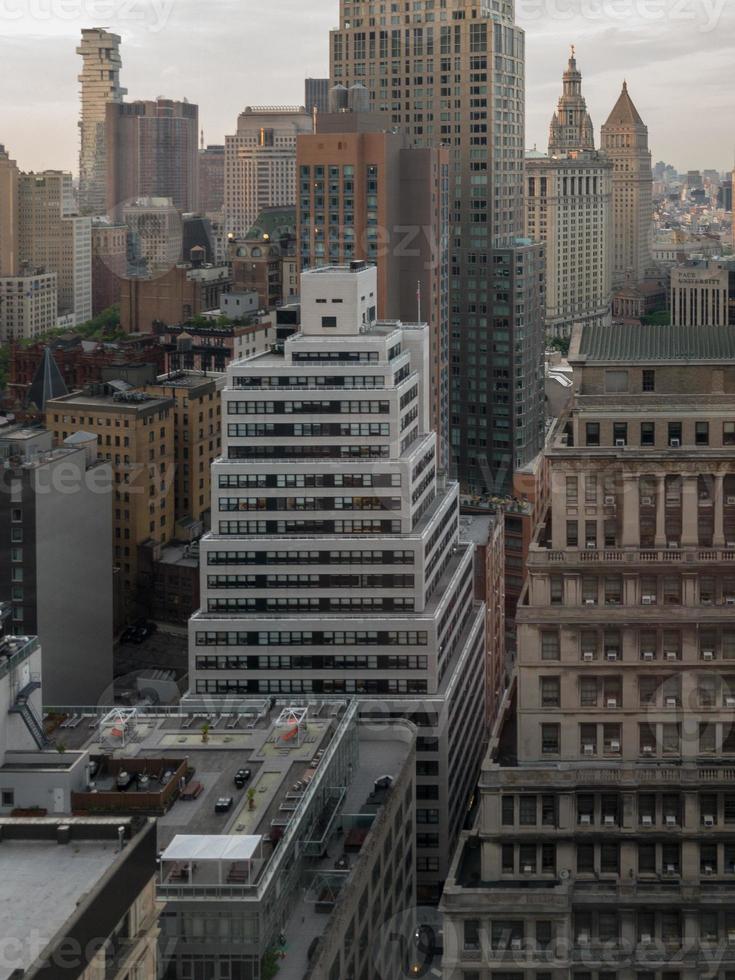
[{"x": 678, "y": 57}]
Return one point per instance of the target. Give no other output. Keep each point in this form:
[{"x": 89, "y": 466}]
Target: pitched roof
[
  {"x": 624, "y": 113},
  {"x": 647, "y": 342},
  {"x": 47, "y": 382}
]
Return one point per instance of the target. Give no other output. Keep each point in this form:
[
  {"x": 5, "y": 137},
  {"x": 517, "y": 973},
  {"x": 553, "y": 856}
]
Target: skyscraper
[
  {"x": 53, "y": 238},
  {"x": 316, "y": 94},
  {"x": 604, "y": 845},
  {"x": 571, "y": 129},
  {"x": 211, "y": 178},
  {"x": 100, "y": 80},
  {"x": 8, "y": 214},
  {"x": 334, "y": 564},
  {"x": 456, "y": 76},
  {"x": 568, "y": 206},
  {"x": 260, "y": 163},
  {"x": 624, "y": 140},
  {"x": 365, "y": 193},
  {"x": 152, "y": 152}
]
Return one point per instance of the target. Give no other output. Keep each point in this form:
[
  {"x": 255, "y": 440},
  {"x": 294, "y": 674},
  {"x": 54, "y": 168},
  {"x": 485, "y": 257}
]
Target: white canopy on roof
[{"x": 212, "y": 847}]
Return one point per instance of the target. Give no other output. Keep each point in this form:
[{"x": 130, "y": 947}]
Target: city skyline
[{"x": 40, "y": 120}]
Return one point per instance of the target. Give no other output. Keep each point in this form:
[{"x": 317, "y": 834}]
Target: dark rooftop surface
[{"x": 649, "y": 343}]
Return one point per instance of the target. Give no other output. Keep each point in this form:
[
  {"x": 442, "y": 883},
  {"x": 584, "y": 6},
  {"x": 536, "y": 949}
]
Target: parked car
[
  {"x": 223, "y": 804},
  {"x": 241, "y": 777}
]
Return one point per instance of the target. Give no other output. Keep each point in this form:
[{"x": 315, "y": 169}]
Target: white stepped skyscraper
[{"x": 334, "y": 564}]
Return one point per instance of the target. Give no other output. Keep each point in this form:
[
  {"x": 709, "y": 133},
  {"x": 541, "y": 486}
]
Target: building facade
[
  {"x": 569, "y": 207},
  {"x": 211, "y": 178},
  {"x": 260, "y": 163},
  {"x": 152, "y": 152},
  {"x": 109, "y": 262},
  {"x": 370, "y": 595},
  {"x": 54, "y": 239},
  {"x": 135, "y": 434},
  {"x": 604, "y": 844},
  {"x": 186, "y": 290},
  {"x": 100, "y": 84},
  {"x": 434, "y": 79},
  {"x": 56, "y": 558},
  {"x": 624, "y": 140},
  {"x": 387, "y": 203},
  {"x": 8, "y": 214},
  {"x": 703, "y": 294},
  {"x": 28, "y": 306}
]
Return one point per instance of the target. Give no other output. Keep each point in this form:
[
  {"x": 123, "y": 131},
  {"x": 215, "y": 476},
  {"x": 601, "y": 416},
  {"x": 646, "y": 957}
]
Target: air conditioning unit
[
  {"x": 670, "y": 869},
  {"x": 614, "y": 746},
  {"x": 609, "y": 500},
  {"x": 528, "y": 869},
  {"x": 730, "y": 600},
  {"x": 612, "y": 654},
  {"x": 590, "y": 602},
  {"x": 608, "y": 820},
  {"x": 708, "y": 820},
  {"x": 515, "y": 944},
  {"x": 670, "y": 702},
  {"x": 730, "y": 498},
  {"x": 585, "y": 818},
  {"x": 583, "y": 939},
  {"x": 673, "y": 544},
  {"x": 671, "y": 655},
  {"x": 647, "y": 750},
  {"x": 649, "y": 654},
  {"x": 588, "y": 749},
  {"x": 708, "y": 654},
  {"x": 708, "y": 869},
  {"x": 588, "y": 655},
  {"x": 730, "y": 702},
  {"x": 609, "y": 650},
  {"x": 648, "y": 600},
  {"x": 620, "y": 443},
  {"x": 670, "y": 820},
  {"x": 646, "y": 938},
  {"x": 647, "y": 501},
  {"x": 731, "y": 936},
  {"x": 591, "y": 545},
  {"x": 730, "y": 544},
  {"x": 612, "y": 702},
  {"x": 647, "y": 820},
  {"x": 674, "y": 443}
]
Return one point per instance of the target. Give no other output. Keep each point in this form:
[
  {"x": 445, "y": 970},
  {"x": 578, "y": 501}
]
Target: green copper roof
[
  {"x": 657, "y": 343},
  {"x": 274, "y": 222}
]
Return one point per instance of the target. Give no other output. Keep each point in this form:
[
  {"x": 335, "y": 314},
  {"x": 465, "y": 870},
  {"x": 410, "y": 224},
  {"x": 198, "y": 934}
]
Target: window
[
  {"x": 557, "y": 590},
  {"x": 593, "y": 433},
  {"x": 527, "y": 811},
  {"x": 728, "y": 433},
  {"x": 508, "y": 811},
  {"x": 550, "y": 692},
  {"x": 648, "y": 433},
  {"x": 549, "y": 645},
  {"x": 588, "y": 740},
  {"x": 572, "y": 491},
  {"x": 674, "y": 434},
  {"x": 701, "y": 434},
  {"x": 472, "y": 934},
  {"x": 329, "y": 321},
  {"x": 609, "y": 859},
  {"x": 620, "y": 433},
  {"x": 648, "y": 380},
  {"x": 7, "y": 797},
  {"x": 585, "y": 859},
  {"x": 647, "y": 860},
  {"x": 572, "y": 534},
  {"x": 616, "y": 381},
  {"x": 550, "y": 740}
]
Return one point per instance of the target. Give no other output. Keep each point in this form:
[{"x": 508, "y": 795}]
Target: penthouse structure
[
  {"x": 605, "y": 839},
  {"x": 334, "y": 564}
]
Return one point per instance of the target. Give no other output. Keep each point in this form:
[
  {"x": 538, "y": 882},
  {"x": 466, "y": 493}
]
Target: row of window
[
  {"x": 243, "y": 480},
  {"x": 314, "y": 407},
  {"x": 654, "y": 739},
  {"x": 301, "y": 581},
  {"x": 239, "y": 638},
  {"x": 239, "y": 685},
  {"x": 317, "y": 662},
  {"x": 647, "y": 433},
  {"x": 237, "y": 604},
  {"x": 344, "y": 557},
  {"x": 356, "y": 526},
  {"x": 308, "y": 503}
]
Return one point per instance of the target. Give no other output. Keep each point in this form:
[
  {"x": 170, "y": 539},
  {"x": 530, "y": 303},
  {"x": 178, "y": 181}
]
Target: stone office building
[{"x": 605, "y": 842}]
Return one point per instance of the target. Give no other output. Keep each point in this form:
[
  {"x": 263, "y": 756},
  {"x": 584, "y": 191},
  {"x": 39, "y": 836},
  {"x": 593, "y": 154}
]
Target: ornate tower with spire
[
  {"x": 624, "y": 140},
  {"x": 571, "y": 127}
]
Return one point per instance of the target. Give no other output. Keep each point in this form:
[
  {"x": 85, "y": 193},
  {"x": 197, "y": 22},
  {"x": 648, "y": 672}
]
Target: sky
[{"x": 678, "y": 57}]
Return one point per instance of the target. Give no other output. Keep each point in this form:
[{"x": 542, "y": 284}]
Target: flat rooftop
[
  {"x": 188, "y": 379},
  {"x": 41, "y": 884},
  {"x": 377, "y": 757}
]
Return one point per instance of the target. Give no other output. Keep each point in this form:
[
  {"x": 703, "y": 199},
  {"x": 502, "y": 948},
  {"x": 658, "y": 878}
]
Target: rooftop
[
  {"x": 648, "y": 343},
  {"x": 32, "y": 859}
]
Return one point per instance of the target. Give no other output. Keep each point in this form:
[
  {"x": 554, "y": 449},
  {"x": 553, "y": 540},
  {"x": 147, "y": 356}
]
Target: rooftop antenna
[
  {"x": 418, "y": 300},
  {"x": 202, "y": 139},
  {"x": 313, "y": 118}
]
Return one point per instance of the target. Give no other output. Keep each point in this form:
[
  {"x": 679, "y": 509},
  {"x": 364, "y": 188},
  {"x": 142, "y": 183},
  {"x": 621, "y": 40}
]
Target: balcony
[{"x": 539, "y": 556}]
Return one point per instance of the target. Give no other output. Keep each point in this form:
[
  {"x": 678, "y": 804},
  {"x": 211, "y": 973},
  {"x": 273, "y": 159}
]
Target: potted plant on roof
[
  {"x": 205, "y": 732},
  {"x": 251, "y": 797}
]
